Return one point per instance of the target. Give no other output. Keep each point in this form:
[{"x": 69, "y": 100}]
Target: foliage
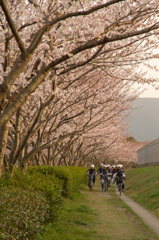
[
  {"x": 69, "y": 177},
  {"x": 131, "y": 138},
  {"x": 22, "y": 212},
  {"x": 33, "y": 198}
]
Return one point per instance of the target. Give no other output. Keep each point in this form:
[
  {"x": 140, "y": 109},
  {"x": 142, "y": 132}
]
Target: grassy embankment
[
  {"x": 142, "y": 185},
  {"x": 95, "y": 215}
]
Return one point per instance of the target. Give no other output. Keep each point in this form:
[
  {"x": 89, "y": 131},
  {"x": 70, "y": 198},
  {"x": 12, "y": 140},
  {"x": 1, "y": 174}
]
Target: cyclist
[
  {"x": 105, "y": 173},
  {"x": 109, "y": 174},
  {"x": 113, "y": 171},
  {"x": 109, "y": 168},
  {"x": 100, "y": 169},
  {"x": 92, "y": 171},
  {"x": 120, "y": 174},
  {"x": 100, "y": 172}
]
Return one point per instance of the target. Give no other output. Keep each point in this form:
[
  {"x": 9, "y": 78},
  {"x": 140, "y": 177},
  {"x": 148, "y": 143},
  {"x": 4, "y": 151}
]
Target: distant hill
[{"x": 144, "y": 120}]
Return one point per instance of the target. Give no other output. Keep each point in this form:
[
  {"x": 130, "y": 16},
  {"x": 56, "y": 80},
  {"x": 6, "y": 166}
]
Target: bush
[
  {"x": 36, "y": 179},
  {"x": 70, "y": 178},
  {"x": 33, "y": 198},
  {"x": 22, "y": 213}
]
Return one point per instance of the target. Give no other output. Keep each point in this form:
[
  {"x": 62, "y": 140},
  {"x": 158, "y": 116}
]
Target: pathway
[{"x": 146, "y": 216}]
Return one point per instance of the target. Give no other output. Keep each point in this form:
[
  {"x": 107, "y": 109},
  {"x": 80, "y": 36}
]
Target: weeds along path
[{"x": 113, "y": 218}]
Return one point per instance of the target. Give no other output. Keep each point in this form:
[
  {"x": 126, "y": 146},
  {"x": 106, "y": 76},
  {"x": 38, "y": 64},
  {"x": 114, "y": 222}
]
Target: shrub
[
  {"x": 32, "y": 198},
  {"x": 70, "y": 178},
  {"x": 46, "y": 183},
  {"x": 22, "y": 213}
]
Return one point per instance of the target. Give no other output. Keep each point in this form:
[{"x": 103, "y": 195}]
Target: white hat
[{"x": 120, "y": 165}]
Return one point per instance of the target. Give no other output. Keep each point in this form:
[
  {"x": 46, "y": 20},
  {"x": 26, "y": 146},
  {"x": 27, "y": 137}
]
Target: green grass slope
[
  {"x": 142, "y": 185},
  {"x": 96, "y": 215}
]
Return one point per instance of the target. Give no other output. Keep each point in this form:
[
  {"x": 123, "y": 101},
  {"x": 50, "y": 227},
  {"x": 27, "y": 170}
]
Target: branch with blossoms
[{"x": 84, "y": 56}]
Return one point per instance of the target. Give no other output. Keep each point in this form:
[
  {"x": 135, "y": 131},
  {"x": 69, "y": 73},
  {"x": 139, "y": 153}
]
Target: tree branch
[
  {"x": 13, "y": 28},
  {"x": 31, "y": 87}
]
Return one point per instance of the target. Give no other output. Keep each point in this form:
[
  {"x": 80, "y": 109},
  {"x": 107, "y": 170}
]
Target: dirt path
[
  {"x": 113, "y": 218},
  {"x": 146, "y": 216}
]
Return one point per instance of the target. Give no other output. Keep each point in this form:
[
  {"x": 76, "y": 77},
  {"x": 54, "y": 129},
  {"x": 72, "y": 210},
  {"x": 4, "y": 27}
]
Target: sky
[{"x": 150, "y": 92}]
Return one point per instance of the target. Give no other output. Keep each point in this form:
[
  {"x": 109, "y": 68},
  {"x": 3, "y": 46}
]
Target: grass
[
  {"x": 75, "y": 222},
  {"x": 116, "y": 220},
  {"x": 142, "y": 185},
  {"x": 97, "y": 215}
]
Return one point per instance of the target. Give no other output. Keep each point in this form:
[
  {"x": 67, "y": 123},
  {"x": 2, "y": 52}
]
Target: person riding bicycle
[
  {"x": 100, "y": 169},
  {"x": 105, "y": 171},
  {"x": 113, "y": 170},
  {"x": 100, "y": 172},
  {"x": 109, "y": 174},
  {"x": 120, "y": 176},
  {"x": 105, "y": 178},
  {"x": 90, "y": 172}
]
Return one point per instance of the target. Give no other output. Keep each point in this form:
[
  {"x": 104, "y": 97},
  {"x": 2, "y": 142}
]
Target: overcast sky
[{"x": 150, "y": 92}]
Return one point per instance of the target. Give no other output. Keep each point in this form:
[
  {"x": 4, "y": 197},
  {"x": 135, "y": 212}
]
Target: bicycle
[
  {"x": 120, "y": 184},
  {"x": 91, "y": 181},
  {"x": 120, "y": 187},
  {"x": 101, "y": 180},
  {"x": 109, "y": 175},
  {"x": 106, "y": 183}
]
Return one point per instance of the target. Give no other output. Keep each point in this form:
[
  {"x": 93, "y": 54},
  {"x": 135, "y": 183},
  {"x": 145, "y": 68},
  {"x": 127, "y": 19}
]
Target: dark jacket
[
  {"x": 91, "y": 171},
  {"x": 105, "y": 171},
  {"x": 100, "y": 170},
  {"x": 120, "y": 172}
]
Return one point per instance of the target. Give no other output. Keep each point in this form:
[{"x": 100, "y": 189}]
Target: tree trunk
[{"x": 3, "y": 144}]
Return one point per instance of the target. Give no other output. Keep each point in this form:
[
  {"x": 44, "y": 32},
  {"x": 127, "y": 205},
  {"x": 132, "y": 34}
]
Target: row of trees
[{"x": 67, "y": 71}]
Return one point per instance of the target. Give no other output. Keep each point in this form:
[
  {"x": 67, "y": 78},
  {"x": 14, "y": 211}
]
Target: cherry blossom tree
[
  {"x": 70, "y": 115},
  {"x": 48, "y": 43}
]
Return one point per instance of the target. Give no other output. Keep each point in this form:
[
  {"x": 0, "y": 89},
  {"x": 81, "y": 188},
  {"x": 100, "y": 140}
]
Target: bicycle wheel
[
  {"x": 105, "y": 185},
  {"x": 120, "y": 188},
  {"x": 91, "y": 184}
]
